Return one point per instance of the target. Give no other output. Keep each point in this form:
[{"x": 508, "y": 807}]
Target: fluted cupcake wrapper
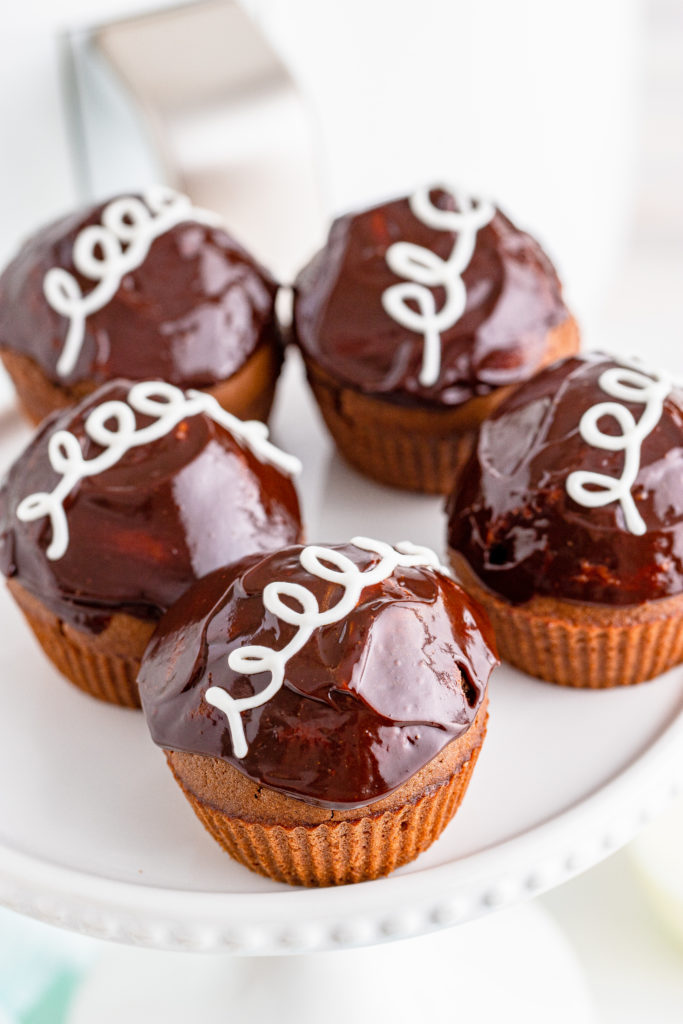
[
  {"x": 417, "y": 448},
  {"x": 616, "y": 646},
  {"x": 392, "y": 453},
  {"x": 102, "y": 674},
  {"x": 37, "y": 395},
  {"x": 248, "y": 394},
  {"x": 589, "y": 656},
  {"x": 338, "y": 852}
]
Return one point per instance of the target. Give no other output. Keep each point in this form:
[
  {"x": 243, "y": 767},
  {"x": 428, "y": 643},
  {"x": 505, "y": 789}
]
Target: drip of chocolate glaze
[
  {"x": 142, "y": 531},
  {"x": 514, "y": 299},
  {"x": 365, "y": 704},
  {"x": 511, "y": 517}
]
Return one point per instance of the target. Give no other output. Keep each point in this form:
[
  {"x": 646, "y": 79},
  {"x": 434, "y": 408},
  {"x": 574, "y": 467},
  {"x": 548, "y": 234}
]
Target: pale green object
[
  {"x": 658, "y": 856},
  {"x": 40, "y": 968}
]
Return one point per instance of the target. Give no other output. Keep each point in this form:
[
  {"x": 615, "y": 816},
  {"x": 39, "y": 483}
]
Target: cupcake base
[
  {"x": 582, "y": 645},
  {"x": 292, "y": 841},
  {"x": 248, "y": 394},
  {"x": 104, "y": 665},
  {"x": 416, "y": 449}
]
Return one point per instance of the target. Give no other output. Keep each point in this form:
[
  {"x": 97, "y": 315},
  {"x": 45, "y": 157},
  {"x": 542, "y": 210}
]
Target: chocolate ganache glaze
[
  {"x": 575, "y": 489},
  {"x": 135, "y": 534},
  {"x": 189, "y": 308},
  {"x": 512, "y": 300},
  {"x": 366, "y": 701}
]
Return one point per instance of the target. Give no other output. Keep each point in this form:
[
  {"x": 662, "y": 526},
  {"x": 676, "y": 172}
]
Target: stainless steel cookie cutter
[{"x": 195, "y": 96}]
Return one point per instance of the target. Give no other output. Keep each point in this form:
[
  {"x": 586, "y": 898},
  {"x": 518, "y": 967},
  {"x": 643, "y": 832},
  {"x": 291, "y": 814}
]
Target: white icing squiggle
[
  {"x": 106, "y": 252},
  {"x": 628, "y": 385},
  {"x": 113, "y": 426},
  {"x": 425, "y": 270},
  {"x": 327, "y": 564}
]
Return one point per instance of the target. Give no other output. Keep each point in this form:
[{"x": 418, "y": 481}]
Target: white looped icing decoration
[
  {"x": 113, "y": 426},
  {"x": 106, "y": 252},
  {"x": 424, "y": 270},
  {"x": 628, "y": 385},
  {"x": 327, "y": 564}
]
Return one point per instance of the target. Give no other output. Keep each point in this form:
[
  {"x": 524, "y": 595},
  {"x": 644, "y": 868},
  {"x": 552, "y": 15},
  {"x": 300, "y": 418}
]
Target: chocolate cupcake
[
  {"x": 322, "y": 708},
  {"x": 567, "y": 523},
  {"x": 415, "y": 320},
  {"x": 139, "y": 287},
  {"x": 118, "y": 505}
]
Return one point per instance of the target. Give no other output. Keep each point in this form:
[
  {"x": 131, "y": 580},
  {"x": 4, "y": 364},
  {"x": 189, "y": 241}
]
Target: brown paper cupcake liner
[
  {"x": 385, "y": 442},
  {"x": 36, "y": 394},
  {"x": 248, "y": 394},
  {"x": 414, "y": 448},
  {"x": 100, "y": 672},
  {"x": 579, "y": 645},
  {"x": 338, "y": 852}
]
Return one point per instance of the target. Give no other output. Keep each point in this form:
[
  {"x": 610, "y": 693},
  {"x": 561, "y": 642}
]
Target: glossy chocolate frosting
[
  {"x": 514, "y": 298},
  {"x": 192, "y": 312},
  {"x": 511, "y": 517},
  {"x": 365, "y": 704},
  {"x": 141, "y": 531}
]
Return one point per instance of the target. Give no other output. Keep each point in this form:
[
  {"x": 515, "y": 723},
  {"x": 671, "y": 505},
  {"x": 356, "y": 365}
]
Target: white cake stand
[{"x": 95, "y": 835}]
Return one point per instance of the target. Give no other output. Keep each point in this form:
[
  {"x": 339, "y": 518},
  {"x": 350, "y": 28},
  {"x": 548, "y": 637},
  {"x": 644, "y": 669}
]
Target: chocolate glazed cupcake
[
  {"x": 567, "y": 523},
  {"x": 322, "y": 708},
  {"x": 415, "y": 320},
  {"x": 118, "y": 505},
  {"x": 139, "y": 287}
]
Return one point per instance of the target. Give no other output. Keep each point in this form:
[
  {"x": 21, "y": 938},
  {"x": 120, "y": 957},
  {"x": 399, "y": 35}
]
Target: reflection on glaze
[
  {"x": 425, "y": 270},
  {"x": 113, "y": 426},
  {"x": 512, "y": 515},
  {"x": 141, "y": 532},
  {"x": 327, "y": 564},
  {"x": 593, "y": 490},
  {"x": 513, "y": 298},
  {"x": 366, "y": 702},
  {"x": 106, "y": 252}
]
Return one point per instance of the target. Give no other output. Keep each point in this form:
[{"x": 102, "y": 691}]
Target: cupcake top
[
  {"x": 331, "y": 674},
  {"x": 575, "y": 489},
  {"x": 121, "y": 502},
  {"x": 139, "y": 287},
  {"x": 428, "y": 300}
]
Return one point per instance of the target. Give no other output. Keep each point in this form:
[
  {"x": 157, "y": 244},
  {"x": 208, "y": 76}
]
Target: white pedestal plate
[{"x": 96, "y": 837}]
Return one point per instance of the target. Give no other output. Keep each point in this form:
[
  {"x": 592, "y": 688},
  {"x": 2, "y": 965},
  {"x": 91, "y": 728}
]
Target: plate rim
[
  {"x": 299, "y": 920},
  {"x": 403, "y": 905}
]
